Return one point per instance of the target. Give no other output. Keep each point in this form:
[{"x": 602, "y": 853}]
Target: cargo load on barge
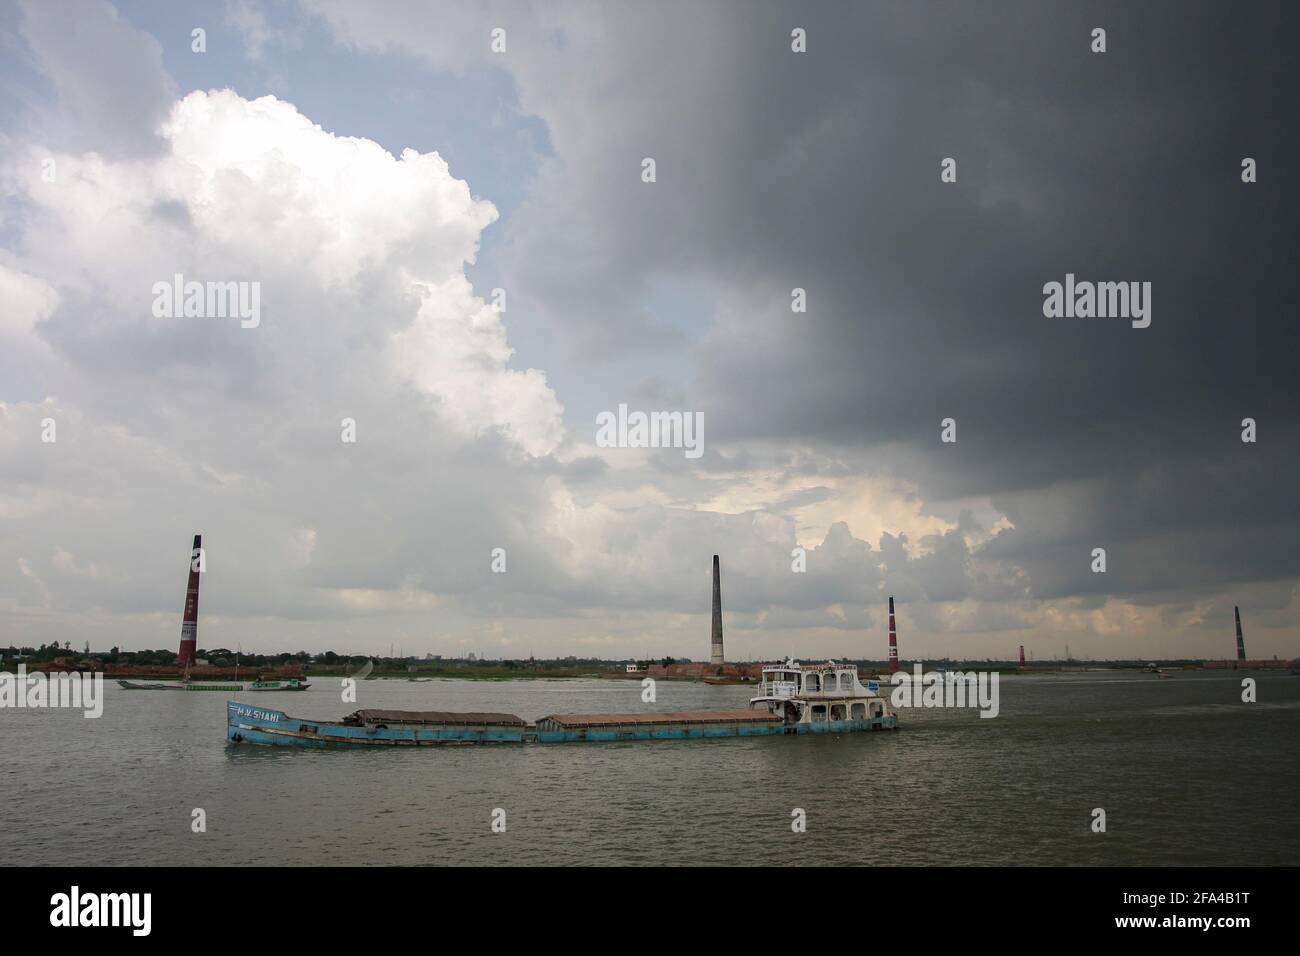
[{"x": 793, "y": 698}]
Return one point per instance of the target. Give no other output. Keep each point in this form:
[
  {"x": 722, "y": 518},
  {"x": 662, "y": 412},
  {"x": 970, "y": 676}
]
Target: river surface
[{"x": 1186, "y": 773}]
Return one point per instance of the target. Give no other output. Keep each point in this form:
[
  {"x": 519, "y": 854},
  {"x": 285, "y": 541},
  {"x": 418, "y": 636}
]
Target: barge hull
[
  {"x": 259, "y": 725},
  {"x": 691, "y": 731}
]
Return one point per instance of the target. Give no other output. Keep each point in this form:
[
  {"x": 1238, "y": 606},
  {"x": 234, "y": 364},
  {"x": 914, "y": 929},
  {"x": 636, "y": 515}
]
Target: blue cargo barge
[
  {"x": 248, "y": 723},
  {"x": 793, "y": 699}
]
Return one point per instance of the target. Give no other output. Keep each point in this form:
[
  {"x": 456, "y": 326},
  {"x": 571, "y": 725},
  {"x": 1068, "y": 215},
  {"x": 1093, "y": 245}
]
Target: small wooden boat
[
  {"x": 291, "y": 684},
  {"x": 716, "y": 681},
  {"x": 177, "y": 685}
]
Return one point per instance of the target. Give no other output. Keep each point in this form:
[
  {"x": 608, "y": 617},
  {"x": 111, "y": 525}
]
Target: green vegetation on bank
[
  {"x": 473, "y": 668},
  {"x": 328, "y": 663}
]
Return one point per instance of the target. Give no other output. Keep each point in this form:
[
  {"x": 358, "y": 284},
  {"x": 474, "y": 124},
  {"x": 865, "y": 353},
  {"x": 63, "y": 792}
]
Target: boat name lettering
[{"x": 257, "y": 714}]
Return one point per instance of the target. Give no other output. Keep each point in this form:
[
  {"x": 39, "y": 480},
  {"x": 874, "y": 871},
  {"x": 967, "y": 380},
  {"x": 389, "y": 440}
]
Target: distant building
[{"x": 1260, "y": 665}]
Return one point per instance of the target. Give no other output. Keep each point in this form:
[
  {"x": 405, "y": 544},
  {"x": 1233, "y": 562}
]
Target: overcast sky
[{"x": 378, "y": 169}]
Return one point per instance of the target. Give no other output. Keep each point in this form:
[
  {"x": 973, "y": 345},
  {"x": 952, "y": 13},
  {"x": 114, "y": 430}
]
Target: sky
[{"x": 445, "y": 212}]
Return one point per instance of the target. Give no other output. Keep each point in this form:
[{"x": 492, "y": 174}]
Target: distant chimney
[
  {"x": 1022, "y": 657},
  {"x": 716, "y": 656},
  {"x": 1241, "y": 641},
  {"x": 190, "y": 620},
  {"x": 893, "y": 638}
]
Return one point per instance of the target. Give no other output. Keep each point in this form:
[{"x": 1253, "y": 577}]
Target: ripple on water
[{"x": 1186, "y": 773}]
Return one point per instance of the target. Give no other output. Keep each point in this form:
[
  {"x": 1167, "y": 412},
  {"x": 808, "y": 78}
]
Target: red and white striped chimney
[{"x": 190, "y": 621}]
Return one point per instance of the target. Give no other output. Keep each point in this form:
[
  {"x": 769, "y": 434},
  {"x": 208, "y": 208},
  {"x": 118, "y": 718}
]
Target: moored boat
[
  {"x": 178, "y": 685},
  {"x": 291, "y": 684}
]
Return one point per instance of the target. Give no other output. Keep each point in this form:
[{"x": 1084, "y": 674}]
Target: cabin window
[
  {"x": 877, "y": 709},
  {"x": 819, "y": 713},
  {"x": 859, "y": 711},
  {"x": 811, "y": 683},
  {"x": 308, "y": 729},
  {"x": 846, "y": 681},
  {"x": 837, "y": 711},
  {"x": 831, "y": 683}
]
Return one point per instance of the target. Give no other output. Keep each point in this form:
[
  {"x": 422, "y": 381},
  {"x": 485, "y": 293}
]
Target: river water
[{"x": 1185, "y": 772}]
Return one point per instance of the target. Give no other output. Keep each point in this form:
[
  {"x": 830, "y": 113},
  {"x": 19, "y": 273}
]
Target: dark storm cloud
[
  {"x": 821, "y": 171},
  {"x": 775, "y": 170}
]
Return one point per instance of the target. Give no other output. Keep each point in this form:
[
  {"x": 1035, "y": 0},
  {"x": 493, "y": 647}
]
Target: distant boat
[
  {"x": 184, "y": 684},
  {"x": 151, "y": 685},
  {"x": 727, "y": 680},
  {"x": 291, "y": 684}
]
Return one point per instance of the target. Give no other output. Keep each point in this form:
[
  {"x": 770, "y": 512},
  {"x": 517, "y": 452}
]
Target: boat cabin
[{"x": 818, "y": 693}]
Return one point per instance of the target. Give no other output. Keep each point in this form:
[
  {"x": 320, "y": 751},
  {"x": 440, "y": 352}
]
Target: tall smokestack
[
  {"x": 190, "y": 622},
  {"x": 716, "y": 656},
  {"x": 893, "y": 638},
  {"x": 1022, "y": 657},
  {"x": 1241, "y": 641}
]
